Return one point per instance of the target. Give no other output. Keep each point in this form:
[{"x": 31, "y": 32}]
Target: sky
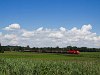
[{"x": 46, "y": 23}]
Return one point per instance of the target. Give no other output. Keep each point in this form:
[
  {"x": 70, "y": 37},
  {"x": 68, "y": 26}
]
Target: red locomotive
[{"x": 73, "y": 52}]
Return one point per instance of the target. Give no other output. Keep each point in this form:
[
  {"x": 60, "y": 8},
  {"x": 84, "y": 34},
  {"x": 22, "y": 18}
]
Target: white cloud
[
  {"x": 62, "y": 29},
  {"x": 12, "y": 27},
  {"x": 10, "y": 36},
  {"x": 28, "y": 34},
  {"x": 86, "y": 27},
  {"x": 13, "y": 42},
  {"x": 40, "y": 29},
  {"x": 9, "y": 39},
  {"x": 56, "y": 35},
  {"x": 44, "y": 37}
]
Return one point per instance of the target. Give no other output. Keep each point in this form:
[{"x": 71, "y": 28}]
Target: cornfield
[{"x": 22, "y": 66}]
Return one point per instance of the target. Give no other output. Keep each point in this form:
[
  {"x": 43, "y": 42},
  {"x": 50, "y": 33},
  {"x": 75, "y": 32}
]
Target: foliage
[
  {"x": 48, "y": 49},
  {"x": 28, "y": 63},
  {"x": 40, "y": 67}
]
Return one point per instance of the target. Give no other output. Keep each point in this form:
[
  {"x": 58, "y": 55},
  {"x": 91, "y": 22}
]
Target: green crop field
[{"x": 28, "y": 63}]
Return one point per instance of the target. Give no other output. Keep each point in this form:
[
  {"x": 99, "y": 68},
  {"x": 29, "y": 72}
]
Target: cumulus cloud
[
  {"x": 13, "y": 42},
  {"x": 12, "y": 27},
  {"x": 40, "y": 29},
  {"x": 44, "y": 37},
  {"x": 9, "y": 39},
  {"x": 10, "y": 36},
  {"x": 56, "y": 35},
  {"x": 28, "y": 34},
  {"x": 62, "y": 29},
  {"x": 86, "y": 27}
]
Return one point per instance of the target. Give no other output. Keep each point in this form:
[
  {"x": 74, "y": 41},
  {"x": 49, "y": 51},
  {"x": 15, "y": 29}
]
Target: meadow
[{"x": 28, "y": 63}]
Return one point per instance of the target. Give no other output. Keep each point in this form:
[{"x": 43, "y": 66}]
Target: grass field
[{"x": 26, "y": 63}]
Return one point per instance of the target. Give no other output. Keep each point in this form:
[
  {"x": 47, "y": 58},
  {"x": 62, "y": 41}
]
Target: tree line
[{"x": 47, "y": 49}]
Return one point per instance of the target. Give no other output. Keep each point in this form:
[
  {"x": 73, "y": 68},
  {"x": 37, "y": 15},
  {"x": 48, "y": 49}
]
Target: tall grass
[{"x": 22, "y": 66}]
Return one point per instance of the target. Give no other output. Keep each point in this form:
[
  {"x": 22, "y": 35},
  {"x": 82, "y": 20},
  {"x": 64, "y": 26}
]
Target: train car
[{"x": 73, "y": 52}]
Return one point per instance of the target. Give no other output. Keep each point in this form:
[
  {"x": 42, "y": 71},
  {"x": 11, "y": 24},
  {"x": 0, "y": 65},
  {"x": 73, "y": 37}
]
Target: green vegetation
[
  {"x": 28, "y": 63},
  {"x": 47, "y": 49}
]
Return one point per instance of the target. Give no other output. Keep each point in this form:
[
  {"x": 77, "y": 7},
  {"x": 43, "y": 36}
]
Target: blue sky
[
  {"x": 32, "y": 15},
  {"x": 50, "y": 13}
]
